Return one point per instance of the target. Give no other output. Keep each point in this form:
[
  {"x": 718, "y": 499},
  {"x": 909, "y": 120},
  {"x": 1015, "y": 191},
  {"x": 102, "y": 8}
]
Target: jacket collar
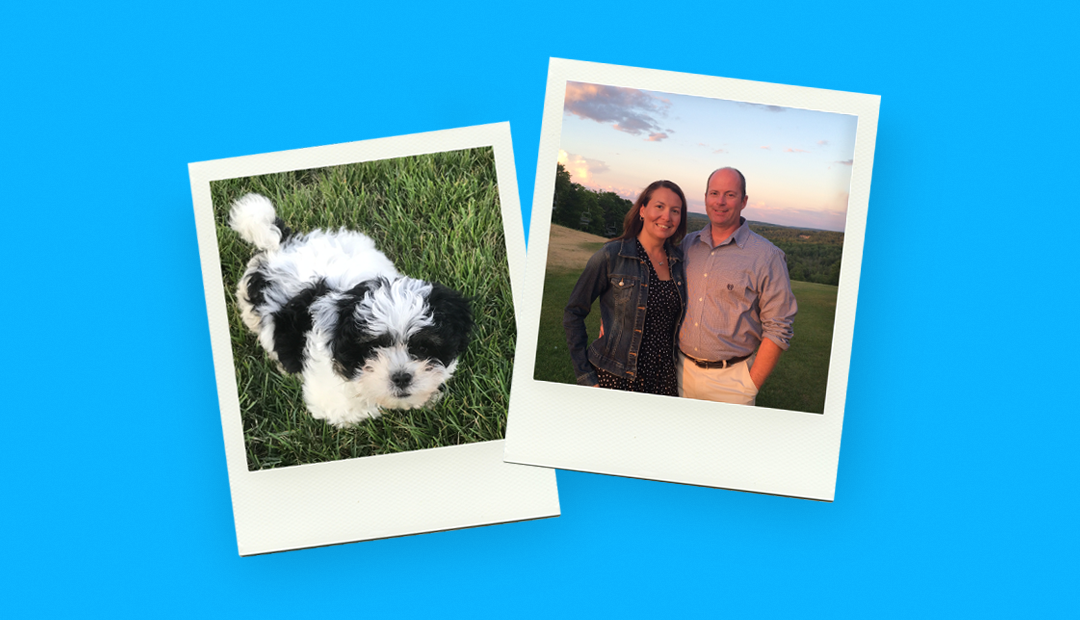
[{"x": 628, "y": 249}]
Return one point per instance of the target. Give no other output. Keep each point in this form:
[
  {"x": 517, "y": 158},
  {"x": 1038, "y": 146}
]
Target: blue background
[{"x": 957, "y": 486}]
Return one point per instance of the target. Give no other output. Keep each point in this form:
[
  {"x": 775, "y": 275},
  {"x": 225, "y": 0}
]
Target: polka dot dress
[{"x": 656, "y": 364}]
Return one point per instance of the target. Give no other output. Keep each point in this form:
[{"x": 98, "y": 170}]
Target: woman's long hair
[{"x": 632, "y": 223}]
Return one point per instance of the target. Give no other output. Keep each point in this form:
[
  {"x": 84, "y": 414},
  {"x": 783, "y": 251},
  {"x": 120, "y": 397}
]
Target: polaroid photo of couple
[{"x": 692, "y": 276}]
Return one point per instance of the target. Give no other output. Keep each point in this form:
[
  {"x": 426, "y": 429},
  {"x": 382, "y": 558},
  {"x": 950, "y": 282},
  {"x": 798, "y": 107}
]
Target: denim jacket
[{"x": 620, "y": 279}]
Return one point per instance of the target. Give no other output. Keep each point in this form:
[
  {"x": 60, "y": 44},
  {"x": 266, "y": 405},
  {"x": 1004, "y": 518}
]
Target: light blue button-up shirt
[{"x": 738, "y": 293}]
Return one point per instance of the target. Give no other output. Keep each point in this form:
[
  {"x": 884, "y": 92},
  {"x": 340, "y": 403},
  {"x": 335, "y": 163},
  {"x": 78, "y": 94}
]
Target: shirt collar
[
  {"x": 742, "y": 234},
  {"x": 739, "y": 237}
]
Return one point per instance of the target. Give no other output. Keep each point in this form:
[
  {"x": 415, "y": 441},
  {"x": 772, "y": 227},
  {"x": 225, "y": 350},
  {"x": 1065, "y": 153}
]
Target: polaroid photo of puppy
[
  {"x": 693, "y": 272},
  {"x": 362, "y": 308}
]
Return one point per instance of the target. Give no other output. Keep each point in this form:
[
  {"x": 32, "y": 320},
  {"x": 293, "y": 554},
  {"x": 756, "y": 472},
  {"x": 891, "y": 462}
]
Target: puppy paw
[{"x": 351, "y": 417}]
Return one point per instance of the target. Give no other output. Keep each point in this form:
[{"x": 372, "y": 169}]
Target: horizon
[{"x": 750, "y": 221}]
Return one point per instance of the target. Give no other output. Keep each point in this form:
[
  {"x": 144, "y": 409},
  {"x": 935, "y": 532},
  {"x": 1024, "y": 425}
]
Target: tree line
[
  {"x": 812, "y": 255},
  {"x": 580, "y": 208}
]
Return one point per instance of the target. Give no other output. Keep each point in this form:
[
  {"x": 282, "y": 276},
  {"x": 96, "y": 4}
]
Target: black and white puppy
[{"x": 331, "y": 308}]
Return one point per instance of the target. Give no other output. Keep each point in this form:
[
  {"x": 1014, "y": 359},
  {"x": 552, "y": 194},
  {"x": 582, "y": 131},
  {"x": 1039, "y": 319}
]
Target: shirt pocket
[
  {"x": 622, "y": 288},
  {"x": 735, "y": 288}
]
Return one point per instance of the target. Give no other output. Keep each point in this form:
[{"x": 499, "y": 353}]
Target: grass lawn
[
  {"x": 799, "y": 380},
  {"x": 797, "y": 383},
  {"x": 438, "y": 218}
]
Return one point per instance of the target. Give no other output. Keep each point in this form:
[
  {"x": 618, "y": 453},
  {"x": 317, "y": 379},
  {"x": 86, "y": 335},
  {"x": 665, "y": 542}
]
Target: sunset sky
[{"x": 797, "y": 162}]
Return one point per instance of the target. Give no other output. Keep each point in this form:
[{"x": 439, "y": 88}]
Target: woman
[{"x": 641, "y": 282}]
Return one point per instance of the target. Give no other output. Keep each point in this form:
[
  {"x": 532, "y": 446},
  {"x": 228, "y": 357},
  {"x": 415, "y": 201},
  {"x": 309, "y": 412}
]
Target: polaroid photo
[
  {"x": 362, "y": 301},
  {"x": 693, "y": 271}
]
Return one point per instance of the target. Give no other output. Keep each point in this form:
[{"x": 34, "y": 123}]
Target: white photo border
[
  {"x": 682, "y": 440},
  {"x": 377, "y": 496}
]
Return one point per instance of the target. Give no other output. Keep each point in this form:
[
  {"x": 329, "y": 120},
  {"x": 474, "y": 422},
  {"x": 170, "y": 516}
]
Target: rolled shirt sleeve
[{"x": 777, "y": 302}]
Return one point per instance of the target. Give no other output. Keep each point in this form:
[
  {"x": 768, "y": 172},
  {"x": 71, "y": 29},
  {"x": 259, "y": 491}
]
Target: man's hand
[{"x": 767, "y": 356}]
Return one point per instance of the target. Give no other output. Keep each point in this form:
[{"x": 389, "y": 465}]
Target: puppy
[{"x": 330, "y": 307}]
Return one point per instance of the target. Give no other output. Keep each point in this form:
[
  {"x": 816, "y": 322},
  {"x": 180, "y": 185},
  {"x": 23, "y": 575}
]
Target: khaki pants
[{"x": 723, "y": 385}]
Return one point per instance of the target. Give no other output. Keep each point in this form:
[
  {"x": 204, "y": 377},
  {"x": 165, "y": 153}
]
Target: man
[{"x": 740, "y": 309}]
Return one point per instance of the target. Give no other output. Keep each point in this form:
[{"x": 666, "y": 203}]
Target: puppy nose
[{"x": 401, "y": 379}]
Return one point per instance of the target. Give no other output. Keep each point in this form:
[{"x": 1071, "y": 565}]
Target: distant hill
[{"x": 775, "y": 232}]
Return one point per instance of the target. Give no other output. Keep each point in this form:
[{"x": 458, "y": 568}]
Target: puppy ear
[
  {"x": 254, "y": 285},
  {"x": 349, "y": 342},
  {"x": 452, "y": 314},
  {"x": 292, "y": 323}
]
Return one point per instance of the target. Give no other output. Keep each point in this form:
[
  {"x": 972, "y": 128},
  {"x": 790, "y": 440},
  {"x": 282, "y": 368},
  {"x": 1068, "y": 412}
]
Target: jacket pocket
[{"x": 622, "y": 288}]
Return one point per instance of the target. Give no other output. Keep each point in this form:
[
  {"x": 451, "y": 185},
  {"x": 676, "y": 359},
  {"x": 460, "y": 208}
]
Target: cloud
[
  {"x": 622, "y": 192},
  {"x": 581, "y": 169},
  {"x": 846, "y": 162},
  {"x": 766, "y": 148},
  {"x": 720, "y": 151},
  {"x": 626, "y": 109},
  {"x": 789, "y": 150},
  {"x": 822, "y": 142}
]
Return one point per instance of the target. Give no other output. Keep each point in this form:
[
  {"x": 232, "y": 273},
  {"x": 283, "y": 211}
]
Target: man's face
[{"x": 724, "y": 200}]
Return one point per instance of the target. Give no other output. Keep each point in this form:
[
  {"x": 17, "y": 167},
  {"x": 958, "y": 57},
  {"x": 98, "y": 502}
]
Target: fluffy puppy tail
[{"x": 253, "y": 217}]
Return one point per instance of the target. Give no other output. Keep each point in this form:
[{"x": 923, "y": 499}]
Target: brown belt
[{"x": 720, "y": 364}]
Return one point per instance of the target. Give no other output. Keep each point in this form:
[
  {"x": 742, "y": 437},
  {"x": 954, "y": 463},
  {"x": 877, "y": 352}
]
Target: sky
[{"x": 797, "y": 162}]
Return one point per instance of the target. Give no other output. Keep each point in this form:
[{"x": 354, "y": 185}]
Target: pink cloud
[
  {"x": 581, "y": 169},
  {"x": 807, "y": 218}
]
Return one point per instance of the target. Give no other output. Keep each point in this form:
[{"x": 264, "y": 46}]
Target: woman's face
[{"x": 661, "y": 214}]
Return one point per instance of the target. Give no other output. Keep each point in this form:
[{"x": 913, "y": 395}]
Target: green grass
[
  {"x": 797, "y": 383},
  {"x": 552, "y": 354},
  {"x": 438, "y": 218},
  {"x": 799, "y": 380}
]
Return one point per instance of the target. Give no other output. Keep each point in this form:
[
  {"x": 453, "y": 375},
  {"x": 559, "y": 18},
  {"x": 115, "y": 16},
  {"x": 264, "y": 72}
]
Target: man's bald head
[{"x": 742, "y": 179}]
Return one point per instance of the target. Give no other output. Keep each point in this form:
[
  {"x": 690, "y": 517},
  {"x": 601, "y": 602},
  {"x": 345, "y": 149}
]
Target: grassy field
[
  {"x": 438, "y": 218},
  {"x": 797, "y": 384}
]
